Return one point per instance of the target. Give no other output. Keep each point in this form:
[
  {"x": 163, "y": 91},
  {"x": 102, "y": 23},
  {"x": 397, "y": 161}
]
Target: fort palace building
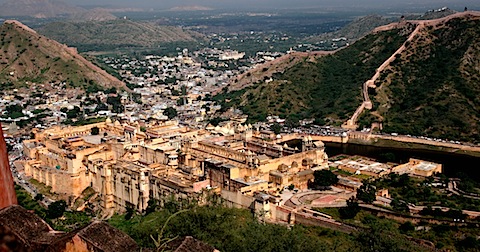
[{"x": 128, "y": 164}]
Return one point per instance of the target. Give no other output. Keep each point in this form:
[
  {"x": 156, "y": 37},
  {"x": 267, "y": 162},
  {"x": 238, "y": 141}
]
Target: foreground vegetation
[
  {"x": 229, "y": 229},
  {"x": 55, "y": 215},
  {"x": 444, "y": 237}
]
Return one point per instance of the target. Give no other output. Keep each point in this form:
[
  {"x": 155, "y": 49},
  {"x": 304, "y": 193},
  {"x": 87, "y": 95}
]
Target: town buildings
[
  {"x": 128, "y": 165},
  {"x": 418, "y": 167}
]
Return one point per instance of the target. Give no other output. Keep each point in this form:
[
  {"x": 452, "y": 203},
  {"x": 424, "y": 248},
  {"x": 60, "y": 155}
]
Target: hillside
[
  {"x": 26, "y": 56},
  {"x": 107, "y": 35},
  {"x": 96, "y": 14},
  {"x": 37, "y": 8},
  {"x": 432, "y": 87},
  {"x": 356, "y": 29},
  {"x": 426, "y": 85},
  {"x": 268, "y": 69},
  {"x": 325, "y": 87}
]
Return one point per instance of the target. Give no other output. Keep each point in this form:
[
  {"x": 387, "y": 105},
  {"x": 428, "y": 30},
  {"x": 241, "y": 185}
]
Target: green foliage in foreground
[
  {"x": 56, "y": 216},
  {"x": 230, "y": 229},
  {"x": 378, "y": 232},
  {"x": 26, "y": 201}
]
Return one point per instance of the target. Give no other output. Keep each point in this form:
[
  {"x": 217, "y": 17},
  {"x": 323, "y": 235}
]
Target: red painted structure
[{"x": 7, "y": 190}]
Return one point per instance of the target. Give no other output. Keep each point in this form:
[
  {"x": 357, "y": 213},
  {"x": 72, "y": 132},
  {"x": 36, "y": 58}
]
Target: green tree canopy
[
  {"x": 56, "y": 209},
  {"x": 170, "y": 113},
  {"x": 367, "y": 192},
  {"x": 95, "y": 131},
  {"x": 399, "y": 205},
  {"x": 351, "y": 210},
  {"x": 276, "y": 128},
  {"x": 324, "y": 178}
]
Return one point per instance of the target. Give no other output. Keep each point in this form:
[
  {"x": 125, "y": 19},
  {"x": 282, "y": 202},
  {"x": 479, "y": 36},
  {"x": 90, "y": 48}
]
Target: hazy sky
[{"x": 282, "y": 4}]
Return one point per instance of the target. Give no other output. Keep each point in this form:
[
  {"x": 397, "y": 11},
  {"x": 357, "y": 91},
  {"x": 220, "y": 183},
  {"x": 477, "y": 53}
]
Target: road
[{"x": 17, "y": 168}]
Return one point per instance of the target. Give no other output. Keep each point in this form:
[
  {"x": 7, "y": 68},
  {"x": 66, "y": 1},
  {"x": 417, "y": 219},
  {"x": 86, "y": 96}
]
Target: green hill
[
  {"x": 430, "y": 89},
  {"x": 324, "y": 87},
  {"x": 37, "y": 8},
  {"x": 356, "y": 29},
  {"x": 112, "y": 34},
  {"x": 27, "y": 57}
]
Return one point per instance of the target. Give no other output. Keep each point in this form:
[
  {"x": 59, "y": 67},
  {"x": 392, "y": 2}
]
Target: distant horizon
[{"x": 275, "y": 5}]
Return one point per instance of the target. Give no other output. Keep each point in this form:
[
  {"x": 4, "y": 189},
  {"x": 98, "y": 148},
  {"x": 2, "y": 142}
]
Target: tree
[
  {"x": 152, "y": 206},
  {"x": 181, "y": 102},
  {"x": 73, "y": 113},
  {"x": 324, "y": 178},
  {"x": 116, "y": 103},
  {"x": 216, "y": 120},
  {"x": 406, "y": 227},
  {"x": 56, "y": 209},
  {"x": 351, "y": 210},
  {"x": 292, "y": 121},
  {"x": 382, "y": 235},
  {"x": 367, "y": 192},
  {"x": 112, "y": 90},
  {"x": 399, "y": 206},
  {"x": 95, "y": 131},
  {"x": 319, "y": 121},
  {"x": 276, "y": 128},
  {"x": 170, "y": 113},
  {"x": 161, "y": 242},
  {"x": 101, "y": 106},
  {"x": 38, "y": 197},
  {"x": 130, "y": 211}
]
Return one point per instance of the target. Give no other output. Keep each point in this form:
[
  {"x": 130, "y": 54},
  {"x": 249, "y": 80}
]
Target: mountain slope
[
  {"x": 37, "y": 8},
  {"x": 26, "y": 56},
  {"x": 115, "y": 33},
  {"x": 96, "y": 14},
  {"x": 356, "y": 29},
  {"x": 432, "y": 88},
  {"x": 326, "y": 87}
]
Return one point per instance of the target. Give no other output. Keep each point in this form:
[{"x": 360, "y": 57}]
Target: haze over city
[{"x": 286, "y": 4}]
